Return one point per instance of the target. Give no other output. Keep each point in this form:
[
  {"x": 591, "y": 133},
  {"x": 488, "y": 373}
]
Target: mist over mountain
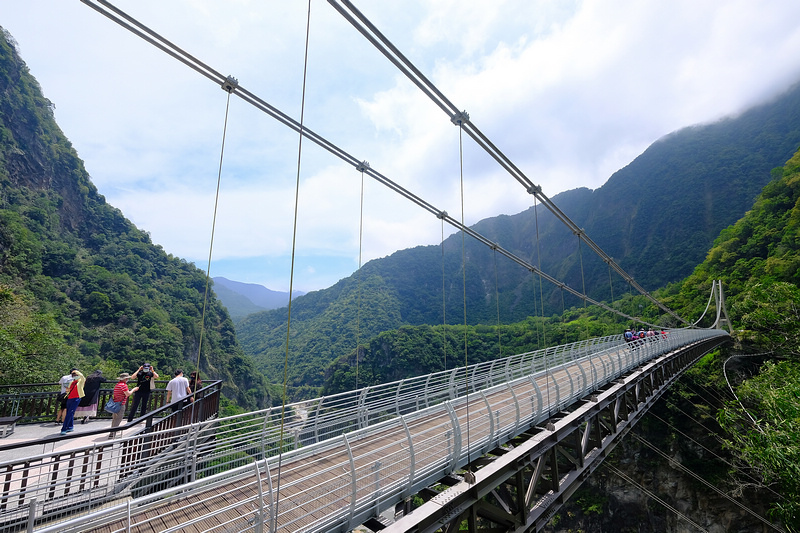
[{"x": 657, "y": 218}]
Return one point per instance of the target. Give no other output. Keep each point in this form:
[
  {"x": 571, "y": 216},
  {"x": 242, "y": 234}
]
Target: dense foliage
[
  {"x": 758, "y": 260},
  {"x": 79, "y": 283},
  {"x": 771, "y": 446}
]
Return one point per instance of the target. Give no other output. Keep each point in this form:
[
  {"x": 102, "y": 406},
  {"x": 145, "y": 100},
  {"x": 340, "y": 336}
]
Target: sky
[{"x": 570, "y": 91}]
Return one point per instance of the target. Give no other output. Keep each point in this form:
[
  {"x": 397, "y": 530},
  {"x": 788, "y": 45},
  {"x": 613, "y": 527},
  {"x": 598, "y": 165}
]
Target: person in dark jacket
[
  {"x": 91, "y": 394},
  {"x": 144, "y": 381}
]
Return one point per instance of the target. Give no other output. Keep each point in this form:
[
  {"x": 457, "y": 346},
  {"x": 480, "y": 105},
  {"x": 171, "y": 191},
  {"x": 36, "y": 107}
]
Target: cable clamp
[
  {"x": 535, "y": 189},
  {"x": 460, "y": 118},
  {"x": 494, "y": 246},
  {"x": 230, "y": 84},
  {"x": 441, "y": 215},
  {"x": 363, "y": 166}
]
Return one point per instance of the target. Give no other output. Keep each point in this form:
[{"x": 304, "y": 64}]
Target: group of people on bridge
[{"x": 631, "y": 334}]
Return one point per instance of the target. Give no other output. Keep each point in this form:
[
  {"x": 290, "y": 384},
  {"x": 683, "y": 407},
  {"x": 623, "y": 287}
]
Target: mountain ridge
[
  {"x": 242, "y": 299},
  {"x": 657, "y": 217}
]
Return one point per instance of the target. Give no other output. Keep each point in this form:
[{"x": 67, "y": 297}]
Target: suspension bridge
[
  {"x": 534, "y": 425},
  {"x": 499, "y": 445}
]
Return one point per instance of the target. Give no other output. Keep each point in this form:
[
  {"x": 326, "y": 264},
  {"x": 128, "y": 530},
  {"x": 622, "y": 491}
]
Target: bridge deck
[
  {"x": 310, "y": 491},
  {"x": 345, "y": 458}
]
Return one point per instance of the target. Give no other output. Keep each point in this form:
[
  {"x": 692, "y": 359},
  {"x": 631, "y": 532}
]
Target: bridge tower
[{"x": 722, "y": 321}]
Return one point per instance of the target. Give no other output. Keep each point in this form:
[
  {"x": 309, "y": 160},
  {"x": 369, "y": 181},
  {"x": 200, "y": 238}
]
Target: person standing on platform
[
  {"x": 177, "y": 390},
  {"x": 144, "y": 382},
  {"x": 195, "y": 384},
  {"x": 120, "y": 394},
  {"x": 62, "y": 396},
  {"x": 74, "y": 395},
  {"x": 88, "y": 405}
]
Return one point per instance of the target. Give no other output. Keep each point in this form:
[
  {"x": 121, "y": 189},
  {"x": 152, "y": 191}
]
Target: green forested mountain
[
  {"x": 79, "y": 283},
  {"x": 758, "y": 261},
  {"x": 657, "y": 217}
]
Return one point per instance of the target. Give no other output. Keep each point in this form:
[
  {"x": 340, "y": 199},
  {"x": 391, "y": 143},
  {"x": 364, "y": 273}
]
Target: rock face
[
  {"x": 663, "y": 456},
  {"x": 34, "y": 152}
]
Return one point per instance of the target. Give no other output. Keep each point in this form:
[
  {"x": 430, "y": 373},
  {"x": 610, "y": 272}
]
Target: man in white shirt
[{"x": 177, "y": 390}]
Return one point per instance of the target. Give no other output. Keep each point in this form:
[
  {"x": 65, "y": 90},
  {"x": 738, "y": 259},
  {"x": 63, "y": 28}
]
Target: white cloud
[{"x": 570, "y": 91}]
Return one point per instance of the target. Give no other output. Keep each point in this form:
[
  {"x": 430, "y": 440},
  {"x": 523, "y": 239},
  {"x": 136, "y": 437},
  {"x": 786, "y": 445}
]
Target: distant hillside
[
  {"x": 242, "y": 299},
  {"x": 79, "y": 283},
  {"x": 657, "y": 217}
]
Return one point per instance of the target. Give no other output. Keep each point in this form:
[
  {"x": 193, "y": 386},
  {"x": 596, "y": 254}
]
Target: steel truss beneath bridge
[{"x": 519, "y": 487}]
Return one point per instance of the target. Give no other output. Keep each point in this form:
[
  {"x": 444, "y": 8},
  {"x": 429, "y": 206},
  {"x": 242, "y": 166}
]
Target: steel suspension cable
[
  {"x": 611, "y": 285},
  {"x": 708, "y": 304},
  {"x": 382, "y": 43},
  {"x": 693, "y": 419},
  {"x": 678, "y": 464},
  {"x": 291, "y": 270},
  {"x": 211, "y": 246},
  {"x": 652, "y": 495},
  {"x": 145, "y": 33},
  {"x": 725, "y": 373},
  {"x": 719, "y": 457}
]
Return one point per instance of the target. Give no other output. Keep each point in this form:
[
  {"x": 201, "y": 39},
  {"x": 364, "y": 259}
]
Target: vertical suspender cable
[
  {"x": 611, "y": 286},
  {"x": 229, "y": 89},
  {"x": 291, "y": 271},
  {"x": 541, "y": 299},
  {"x": 583, "y": 280},
  {"x": 444, "y": 305},
  {"x": 360, "y": 241},
  {"x": 497, "y": 302},
  {"x": 539, "y": 267},
  {"x": 468, "y": 476}
]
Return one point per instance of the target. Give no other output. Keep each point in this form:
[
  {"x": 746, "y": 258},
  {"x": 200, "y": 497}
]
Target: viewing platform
[
  {"x": 44, "y": 437},
  {"x": 46, "y": 476}
]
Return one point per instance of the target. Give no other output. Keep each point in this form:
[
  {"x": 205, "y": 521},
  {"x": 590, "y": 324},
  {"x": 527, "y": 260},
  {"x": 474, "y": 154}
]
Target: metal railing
[
  {"x": 425, "y": 418},
  {"x": 47, "y": 486},
  {"x": 38, "y": 402}
]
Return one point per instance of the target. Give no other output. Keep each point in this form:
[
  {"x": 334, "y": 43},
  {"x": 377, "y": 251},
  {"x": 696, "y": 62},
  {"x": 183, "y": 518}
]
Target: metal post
[
  {"x": 31, "y": 515},
  {"x": 259, "y": 525},
  {"x": 353, "y": 484},
  {"x": 412, "y": 458}
]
